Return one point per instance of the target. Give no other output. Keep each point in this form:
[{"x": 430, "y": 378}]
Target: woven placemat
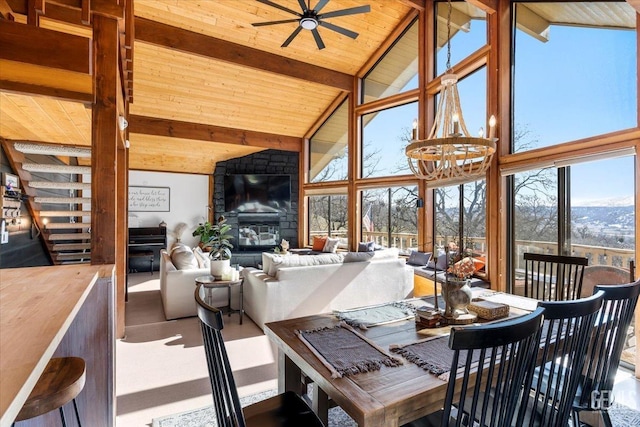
[
  {"x": 433, "y": 355},
  {"x": 345, "y": 352},
  {"x": 376, "y": 315}
]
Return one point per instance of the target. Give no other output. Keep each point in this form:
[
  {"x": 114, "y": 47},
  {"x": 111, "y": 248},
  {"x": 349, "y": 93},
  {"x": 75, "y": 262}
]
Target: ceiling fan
[{"x": 311, "y": 19}]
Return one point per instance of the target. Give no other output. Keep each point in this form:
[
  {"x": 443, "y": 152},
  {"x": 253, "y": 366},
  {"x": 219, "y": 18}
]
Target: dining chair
[
  {"x": 285, "y": 409},
  {"x": 564, "y": 336},
  {"x": 553, "y": 277},
  {"x": 489, "y": 397},
  {"x": 605, "y": 350}
]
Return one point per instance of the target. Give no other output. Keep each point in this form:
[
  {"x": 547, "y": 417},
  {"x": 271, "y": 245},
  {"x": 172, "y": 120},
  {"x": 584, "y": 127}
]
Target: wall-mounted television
[{"x": 257, "y": 193}]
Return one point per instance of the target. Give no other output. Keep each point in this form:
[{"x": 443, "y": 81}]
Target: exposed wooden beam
[
  {"x": 489, "y": 6},
  {"x": 5, "y": 11},
  {"x": 201, "y": 132},
  {"x": 416, "y": 4},
  {"x": 51, "y": 92},
  {"x": 110, "y": 8},
  {"x": 33, "y": 45},
  {"x": 532, "y": 23},
  {"x": 187, "y": 41}
]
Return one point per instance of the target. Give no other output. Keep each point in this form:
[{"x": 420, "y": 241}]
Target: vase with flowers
[{"x": 456, "y": 289}]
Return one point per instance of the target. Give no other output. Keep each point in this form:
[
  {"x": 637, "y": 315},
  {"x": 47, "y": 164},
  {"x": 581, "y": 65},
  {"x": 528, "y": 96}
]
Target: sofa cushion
[
  {"x": 366, "y": 246},
  {"x": 418, "y": 258},
  {"x": 183, "y": 258},
  {"x": 358, "y": 256},
  {"x": 371, "y": 256},
  {"x": 439, "y": 263},
  {"x": 280, "y": 261},
  {"x": 202, "y": 257},
  {"x": 318, "y": 243},
  {"x": 331, "y": 245}
]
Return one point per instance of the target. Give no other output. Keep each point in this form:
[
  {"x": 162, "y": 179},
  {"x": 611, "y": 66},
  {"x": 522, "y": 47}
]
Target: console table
[{"x": 209, "y": 282}]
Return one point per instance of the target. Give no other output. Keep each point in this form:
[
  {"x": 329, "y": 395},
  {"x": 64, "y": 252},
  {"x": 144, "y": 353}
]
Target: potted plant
[
  {"x": 219, "y": 246},
  {"x": 204, "y": 231}
]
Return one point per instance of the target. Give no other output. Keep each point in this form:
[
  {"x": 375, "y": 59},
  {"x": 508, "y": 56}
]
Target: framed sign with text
[{"x": 149, "y": 199}]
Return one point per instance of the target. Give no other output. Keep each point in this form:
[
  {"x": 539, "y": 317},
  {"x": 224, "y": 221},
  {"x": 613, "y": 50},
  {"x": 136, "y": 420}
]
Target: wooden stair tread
[
  {"x": 67, "y": 225},
  {"x": 62, "y": 380},
  {"x": 68, "y": 213},
  {"x": 69, "y": 236},
  {"x": 73, "y": 256},
  {"x": 70, "y": 246}
]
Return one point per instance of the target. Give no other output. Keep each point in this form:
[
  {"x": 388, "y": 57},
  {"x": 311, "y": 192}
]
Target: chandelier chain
[{"x": 449, "y": 37}]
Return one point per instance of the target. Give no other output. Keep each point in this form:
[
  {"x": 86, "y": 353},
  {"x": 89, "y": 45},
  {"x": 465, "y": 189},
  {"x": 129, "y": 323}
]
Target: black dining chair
[
  {"x": 605, "y": 349},
  {"x": 553, "y": 277},
  {"x": 564, "y": 337},
  {"x": 489, "y": 397},
  {"x": 286, "y": 409}
]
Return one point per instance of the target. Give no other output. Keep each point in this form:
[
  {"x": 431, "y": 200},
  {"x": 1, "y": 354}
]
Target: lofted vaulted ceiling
[{"x": 205, "y": 85}]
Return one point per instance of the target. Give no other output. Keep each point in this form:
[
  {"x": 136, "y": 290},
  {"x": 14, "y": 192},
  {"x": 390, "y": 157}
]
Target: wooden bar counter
[{"x": 54, "y": 312}]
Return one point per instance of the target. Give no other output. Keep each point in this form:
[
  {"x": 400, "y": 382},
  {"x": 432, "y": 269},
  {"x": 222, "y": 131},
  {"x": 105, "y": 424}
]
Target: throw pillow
[
  {"x": 331, "y": 245},
  {"x": 318, "y": 243},
  {"x": 441, "y": 262},
  {"x": 419, "y": 259},
  {"x": 183, "y": 258},
  {"x": 202, "y": 257},
  {"x": 366, "y": 246}
]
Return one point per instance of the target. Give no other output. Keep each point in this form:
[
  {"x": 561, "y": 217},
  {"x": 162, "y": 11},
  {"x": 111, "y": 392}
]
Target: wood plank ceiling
[{"x": 209, "y": 86}]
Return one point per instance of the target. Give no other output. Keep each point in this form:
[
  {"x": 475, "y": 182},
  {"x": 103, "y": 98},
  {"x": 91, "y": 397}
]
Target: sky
[{"x": 580, "y": 83}]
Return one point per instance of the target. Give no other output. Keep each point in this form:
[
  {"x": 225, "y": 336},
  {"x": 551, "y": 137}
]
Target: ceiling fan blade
[
  {"x": 338, "y": 29},
  {"x": 316, "y": 35},
  {"x": 303, "y": 5},
  {"x": 343, "y": 12},
  {"x": 320, "y": 5},
  {"x": 261, "y": 24},
  {"x": 277, "y": 6},
  {"x": 291, "y": 37}
]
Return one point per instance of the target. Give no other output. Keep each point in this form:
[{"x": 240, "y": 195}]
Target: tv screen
[{"x": 257, "y": 193}]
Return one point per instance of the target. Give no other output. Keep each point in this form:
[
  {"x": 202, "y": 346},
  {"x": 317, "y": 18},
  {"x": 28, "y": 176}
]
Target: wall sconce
[
  {"x": 122, "y": 123},
  {"x": 420, "y": 203},
  {"x": 127, "y": 144}
]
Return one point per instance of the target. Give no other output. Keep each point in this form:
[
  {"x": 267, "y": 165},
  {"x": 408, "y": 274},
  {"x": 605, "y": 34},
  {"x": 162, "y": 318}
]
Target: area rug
[
  {"x": 205, "y": 417},
  {"x": 621, "y": 416}
]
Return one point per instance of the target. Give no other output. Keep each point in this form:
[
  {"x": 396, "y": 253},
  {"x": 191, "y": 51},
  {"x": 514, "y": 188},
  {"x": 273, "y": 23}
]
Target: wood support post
[{"x": 104, "y": 140}]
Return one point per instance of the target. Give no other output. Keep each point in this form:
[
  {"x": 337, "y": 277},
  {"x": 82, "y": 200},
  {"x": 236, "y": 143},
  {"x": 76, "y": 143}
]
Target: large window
[
  {"x": 397, "y": 71},
  {"x": 385, "y": 136},
  {"x": 468, "y": 32},
  {"x": 460, "y": 218},
  {"x": 574, "y": 81},
  {"x": 328, "y": 217},
  {"x": 572, "y": 210},
  {"x": 390, "y": 217},
  {"x": 328, "y": 148}
]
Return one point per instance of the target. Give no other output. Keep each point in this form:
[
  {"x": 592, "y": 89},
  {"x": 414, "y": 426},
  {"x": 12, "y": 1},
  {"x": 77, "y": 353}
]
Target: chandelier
[{"x": 450, "y": 152}]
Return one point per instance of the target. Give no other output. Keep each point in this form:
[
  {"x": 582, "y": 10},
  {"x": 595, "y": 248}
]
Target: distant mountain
[{"x": 611, "y": 202}]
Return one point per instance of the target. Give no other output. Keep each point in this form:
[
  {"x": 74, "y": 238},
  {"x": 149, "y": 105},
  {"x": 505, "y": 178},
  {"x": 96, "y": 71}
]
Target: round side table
[{"x": 209, "y": 283}]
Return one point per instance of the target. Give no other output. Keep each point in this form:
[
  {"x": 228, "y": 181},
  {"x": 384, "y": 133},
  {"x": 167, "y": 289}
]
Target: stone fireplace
[{"x": 269, "y": 227}]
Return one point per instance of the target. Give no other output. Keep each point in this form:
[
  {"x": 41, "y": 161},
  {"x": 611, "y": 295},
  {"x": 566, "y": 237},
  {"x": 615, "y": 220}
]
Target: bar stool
[{"x": 61, "y": 382}]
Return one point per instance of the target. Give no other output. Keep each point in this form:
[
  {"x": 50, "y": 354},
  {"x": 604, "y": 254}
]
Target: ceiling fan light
[{"x": 308, "y": 23}]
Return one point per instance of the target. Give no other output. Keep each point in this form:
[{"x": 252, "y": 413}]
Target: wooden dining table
[{"x": 390, "y": 396}]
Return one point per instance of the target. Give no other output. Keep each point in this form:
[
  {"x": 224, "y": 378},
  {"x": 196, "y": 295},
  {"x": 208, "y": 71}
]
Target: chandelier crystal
[{"x": 450, "y": 152}]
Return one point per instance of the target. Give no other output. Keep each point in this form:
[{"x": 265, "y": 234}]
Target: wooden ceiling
[{"x": 207, "y": 85}]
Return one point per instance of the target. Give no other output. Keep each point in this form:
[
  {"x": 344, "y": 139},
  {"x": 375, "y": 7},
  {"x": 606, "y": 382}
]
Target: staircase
[{"x": 59, "y": 197}]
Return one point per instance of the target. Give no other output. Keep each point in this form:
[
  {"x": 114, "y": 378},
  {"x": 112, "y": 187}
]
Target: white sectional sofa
[{"x": 301, "y": 285}]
